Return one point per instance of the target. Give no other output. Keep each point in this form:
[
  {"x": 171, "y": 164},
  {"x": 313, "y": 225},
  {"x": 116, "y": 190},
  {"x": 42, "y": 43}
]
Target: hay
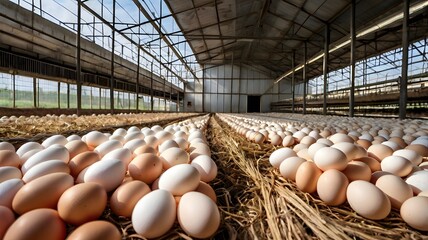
[{"x": 285, "y": 212}]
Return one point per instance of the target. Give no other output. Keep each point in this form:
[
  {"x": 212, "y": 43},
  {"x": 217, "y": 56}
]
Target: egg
[
  {"x": 420, "y": 149},
  {"x": 109, "y": 173},
  {"x": 55, "y": 152},
  {"x": 96, "y": 230},
  {"x": 123, "y": 154},
  {"x": 341, "y": 137},
  {"x": 396, "y": 165},
  {"x": 331, "y": 187},
  {"x": 9, "y": 158},
  {"x": 368, "y": 200},
  {"x": 357, "y": 170},
  {"x": 162, "y": 136},
  {"x": 145, "y": 149},
  {"x": 307, "y": 177},
  {"x": 42, "y": 192},
  {"x": 376, "y": 175},
  {"x": 379, "y": 151},
  {"x": 107, "y": 147},
  {"x": 199, "y": 149},
  {"x": 8, "y": 190},
  {"x": 73, "y": 137},
  {"x": 27, "y": 147},
  {"x": 7, "y": 218},
  {"x": 133, "y": 135},
  {"x": 280, "y": 155},
  {"x": 289, "y": 166},
  {"x": 395, "y": 188},
  {"x": 410, "y": 155},
  {"x": 38, "y": 224},
  {"x": 55, "y": 139},
  {"x": 8, "y": 172},
  {"x": 330, "y": 158},
  {"x": 167, "y": 144},
  {"x": 173, "y": 156},
  {"x": 199, "y": 224},
  {"x": 182, "y": 143},
  {"x": 349, "y": 149},
  {"x": 288, "y": 141},
  {"x": 145, "y": 167},
  {"x": 151, "y": 141},
  {"x": 373, "y": 164},
  {"x": 82, "y": 161},
  {"x": 423, "y": 194},
  {"x": 134, "y": 144},
  {"x": 154, "y": 214},
  {"x": 414, "y": 212},
  {"x": 82, "y": 203},
  {"x": 180, "y": 179},
  {"x": 206, "y": 189},
  {"x": 45, "y": 168},
  {"x": 418, "y": 181},
  {"x": 126, "y": 196},
  {"x": 75, "y": 147},
  {"x": 364, "y": 143},
  {"x": 95, "y": 138},
  {"x": 206, "y": 167},
  {"x": 314, "y": 148},
  {"x": 29, "y": 154}
]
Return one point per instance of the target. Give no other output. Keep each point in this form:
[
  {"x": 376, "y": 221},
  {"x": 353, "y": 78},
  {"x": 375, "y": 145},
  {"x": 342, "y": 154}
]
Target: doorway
[{"x": 253, "y": 104}]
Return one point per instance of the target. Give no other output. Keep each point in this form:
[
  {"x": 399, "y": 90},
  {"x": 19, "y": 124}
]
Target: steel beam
[
  {"x": 203, "y": 88},
  {"x": 404, "y": 61},
  {"x": 14, "y": 90},
  {"x": 292, "y": 81},
  {"x": 305, "y": 83},
  {"x": 352, "y": 63},
  {"x": 78, "y": 61},
  {"x": 113, "y": 33},
  {"x": 151, "y": 88},
  {"x": 325, "y": 66}
]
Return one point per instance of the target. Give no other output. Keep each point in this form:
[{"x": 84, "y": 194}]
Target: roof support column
[
  {"x": 151, "y": 87},
  {"x": 293, "y": 84},
  {"x": 137, "y": 81},
  {"x": 404, "y": 61},
  {"x": 112, "y": 60},
  {"x": 305, "y": 52},
  {"x": 352, "y": 64},
  {"x": 325, "y": 66},
  {"x": 203, "y": 88},
  {"x": 78, "y": 66}
]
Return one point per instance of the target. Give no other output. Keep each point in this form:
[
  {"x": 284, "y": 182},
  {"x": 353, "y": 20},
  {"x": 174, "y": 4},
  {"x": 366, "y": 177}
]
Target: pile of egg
[
  {"x": 373, "y": 169},
  {"x": 153, "y": 176}
]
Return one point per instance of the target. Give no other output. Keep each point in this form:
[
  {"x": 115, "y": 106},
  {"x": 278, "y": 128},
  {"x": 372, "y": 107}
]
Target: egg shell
[
  {"x": 42, "y": 192},
  {"x": 133, "y": 135},
  {"x": 414, "y": 212},
  {"x": 9, "y": 158},
  {"x": 308, "y": 140},
  {"x": 39, "y": 224},
  {"x": 423, "y": 194},
  {"x": 126, "y": 196},
  {"x": 8, "y": 190},
  {"x": 314, "y": 148},
  {"x": 73, "y": 137},
  {"x": 396, "y": 165},
  {"x": 8, "y": 172},
  {"x": 376, "y": 175},
  {"x": 206, "y": 167},
  {"x": 357, "y": 170},
  {"x": 289, "y": 166},
  {"x": 27, "y": 147},
  {"x": 152, "y": 141},
  {"x": 109, "y": 173},
  {"x": 107, "y": 147},
  {"x": 420, "y": 149},
  {"x": 82, "y": 203},
  {"x": 198, "y": 224},
  {"x": 206, "y": 189},
  {"x": 395, "y": 188},
  {"x": 180, "y": 179},
  {"x": 45, "y": 168},
  {"x": 168, "y": 144},
  {"x": 331, "y": 187},
  {"x": 299, "y": 147},
  {"x": 373, "y": 164},
  {"x": 173, "y": 156},
  {"x": 330, "y": 158},
  {"x": 134, "y": 144},
  {"x": 28, "y": 154},
  {"x": 75, "y": 147},
  {"x": 96, "y": 230},
  {"x": 82, "y": 161},
  {"x": 379, "y": 151},
  {"x": 145, "y": 149},
  {"x": 154, "y": 214},
  {"x": 123, "y": 154},
  {"x": 410, "y": 155},
  {"x": 288, "y": 141},
  {"x": 55, "y": 139},
  {"x": 418, "y": 181},
  {"x": 7, "y": 218},
  {"x": 162, "y": 136},
  {"x": 325, "y": 141},
  {"x": 199, "y": 149},
  {"x": 368, "y": 200},
  {"x": 280, "y": 155},
  {"x": 7, "y": 146},
  {"x": 182, "y": 143},
  {"x": 307, "y": 177},
  {"x": 55, "y": 152},
  {"x": 145, "y": 167},
  {"x": 340, "y": 137},
  {"x": 95, "y": 138}
]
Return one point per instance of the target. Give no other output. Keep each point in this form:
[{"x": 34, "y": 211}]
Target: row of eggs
[
  {"x": 154, "y": 183},
  {"x": 371, "y": 177}
]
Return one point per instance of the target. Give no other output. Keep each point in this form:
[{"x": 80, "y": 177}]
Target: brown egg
[
  {"x": 289, "y": 166},
  {"x": 126, "y": 196},
  {"x": 331, "y": 187},
  {"x": 206, "y": 189},
  {"x": 398, "y": 141},
  {"x": 9, "y": 158},
  {"x": 376, "y": 175},
  {"x": 420, "y": 149},
  {"x": 96, "y": 230},
  {"x": 379, "y": 151},
  {"x": 330, "y": 158},
  {"x": 145, "y": 149},
  {"x": 75, "y": 147},
  {"x": 364, "y": 143},
  {"x": 373, "y": 164},
  {"x": 42, "y": 192},
  {"x": 82, "y": 203},
  {"x": 288, "y": 141},
  {"x": 146, "y": 167},
  {"x": 395, "y": 188},
  {"x": 308, "y": 140},
  {"x": 414, "y": 212},
  {"x": 38, "y": 224},
  {"x": 357, "y": 170},
  {"x": 82, "y": 161},
  {"x": 7, "y": 218},
  {"x": 307, "y": 177},
  {"x": 275, "y": 140}
]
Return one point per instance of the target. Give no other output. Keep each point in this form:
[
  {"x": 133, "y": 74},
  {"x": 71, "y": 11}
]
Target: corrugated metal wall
[{"x": 225, "y": 89}]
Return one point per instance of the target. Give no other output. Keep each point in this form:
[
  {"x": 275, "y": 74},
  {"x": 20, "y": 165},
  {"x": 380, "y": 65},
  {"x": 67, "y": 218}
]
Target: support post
[
  {"x": 59, "y": 94},
  {"x": 305, "y": 83},
  {"x": 404, "y": 61},
  {"x": 68, "y": 95},
  {"x": 239, "y": 89},
  {"x": 112, "y": 59},
  {"x": 99, "y": 99},
  {"x": 151, "y": 88},
  {"x": 78, "y": 62},
  {"x": 14, "y": 90},
  {"x": 352, "y": 64},
  {"x": 293, "y": 84},
  {"x": 137, "y": 81},
  {"x": 231, "y": 87},
  {"x": 34, "y": 92},
  {"x": 203, "y": 88},
  {"x": 325, "y": 66}
]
